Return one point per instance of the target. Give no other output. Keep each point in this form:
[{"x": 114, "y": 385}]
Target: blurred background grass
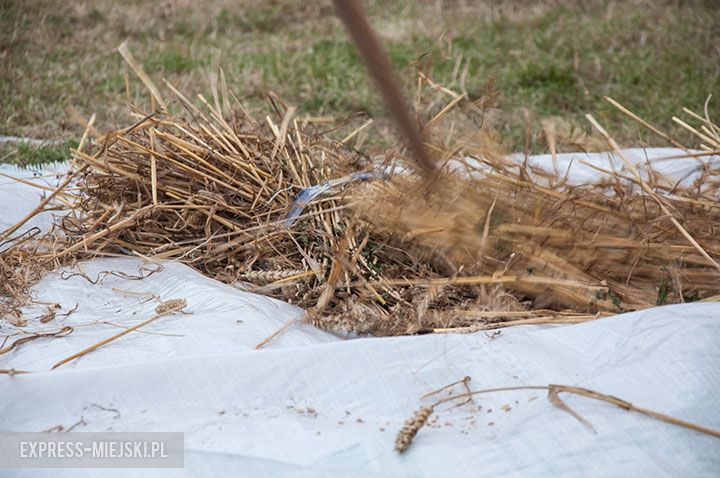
[{"x": 526, "y": 60}]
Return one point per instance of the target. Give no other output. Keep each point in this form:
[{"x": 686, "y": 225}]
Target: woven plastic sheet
[{"x": 314, "y": 404}]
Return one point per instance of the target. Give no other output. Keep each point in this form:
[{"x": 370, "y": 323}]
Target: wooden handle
[{"x": 378, "y": 63}]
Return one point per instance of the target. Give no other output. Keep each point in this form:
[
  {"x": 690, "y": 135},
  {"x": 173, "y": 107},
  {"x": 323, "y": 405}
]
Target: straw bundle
[
  {"x": 476, "y": 249},
  {"x": 210, "y": 194}
]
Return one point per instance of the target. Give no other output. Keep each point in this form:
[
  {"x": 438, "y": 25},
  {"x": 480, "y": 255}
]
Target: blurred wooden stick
[{"x": 378, "y": 64}]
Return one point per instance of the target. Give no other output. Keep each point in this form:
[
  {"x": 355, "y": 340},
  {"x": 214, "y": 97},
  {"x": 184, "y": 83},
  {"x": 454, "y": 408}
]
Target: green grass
[
  {"x": 548, "y": 59},
  {"x": 170, "y": 62},
  {"x": 24, "y": 154}
]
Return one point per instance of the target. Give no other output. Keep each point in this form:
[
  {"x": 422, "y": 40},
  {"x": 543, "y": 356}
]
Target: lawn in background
[{"x": 532, "y": 60}]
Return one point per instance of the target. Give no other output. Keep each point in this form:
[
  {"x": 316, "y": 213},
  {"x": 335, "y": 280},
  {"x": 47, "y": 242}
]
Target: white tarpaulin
[{"x": 314, "y": 404}]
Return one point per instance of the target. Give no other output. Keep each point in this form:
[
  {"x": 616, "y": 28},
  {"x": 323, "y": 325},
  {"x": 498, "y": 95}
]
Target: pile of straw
[
  {"x": 479, "y": 248},
  {"x": 211, "y": 194}
]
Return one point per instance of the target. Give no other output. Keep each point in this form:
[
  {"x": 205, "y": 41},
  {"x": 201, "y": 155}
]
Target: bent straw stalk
[{"x": 417, "y": 421}]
